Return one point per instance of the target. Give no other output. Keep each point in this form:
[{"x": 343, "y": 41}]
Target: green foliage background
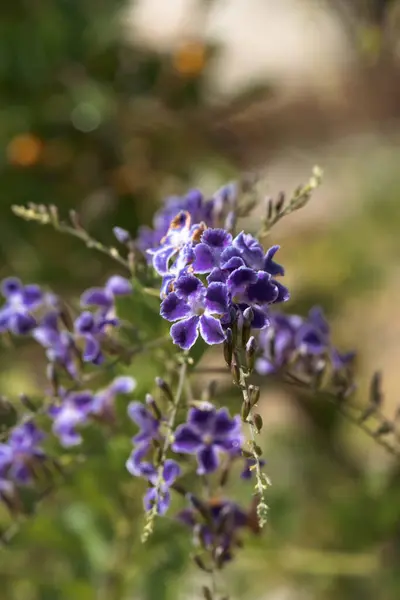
[{"x": 334, "y": 527}]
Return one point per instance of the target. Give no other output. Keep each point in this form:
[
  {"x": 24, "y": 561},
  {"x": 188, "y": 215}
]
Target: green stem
[
  {"x": 151, "y": 515},
  {"x": 261, "y": 480}
]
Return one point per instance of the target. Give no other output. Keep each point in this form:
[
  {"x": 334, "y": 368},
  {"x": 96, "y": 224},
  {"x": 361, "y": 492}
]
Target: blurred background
[{"x": 109, "y": 106}]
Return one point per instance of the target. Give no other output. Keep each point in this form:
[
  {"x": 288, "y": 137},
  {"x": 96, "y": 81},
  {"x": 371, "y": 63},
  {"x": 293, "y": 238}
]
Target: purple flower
[
  {"x": 21, "y": 452},
  {"x": 206, "y": 434},
  {"x": 149, "y": 430},
  {"x": 209, "y": 251},
  {"x": 77, "y": 408},
  {"x": 92, "y": 327},
  {"x": 104, "y": 298},
  {"x": 298, "y": 342},
  {"x": 160, "y": 495},
  {"x": 193, "y": 203},
  {"x": 180, "y": 234},
  {"x": 73, "y": 412},
  {"x": 220, "y": 530},
  {"x": 103, "y": 400},
  {"x": 196, "y": 308},
  {"x": 59, "y": 343},
  {"x": 21, "y": 301},
  {"x": 148, "y": 424}
]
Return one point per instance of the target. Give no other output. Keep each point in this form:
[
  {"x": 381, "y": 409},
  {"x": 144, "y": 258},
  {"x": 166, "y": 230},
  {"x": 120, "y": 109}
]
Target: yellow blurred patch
[{"x": 190, "y": 58}]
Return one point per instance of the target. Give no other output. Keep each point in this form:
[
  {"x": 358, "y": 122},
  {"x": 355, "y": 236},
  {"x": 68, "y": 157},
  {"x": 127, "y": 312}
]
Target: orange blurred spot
[
  {"x": 190, "y": 58},
  {"x": 24, "y": 150}
]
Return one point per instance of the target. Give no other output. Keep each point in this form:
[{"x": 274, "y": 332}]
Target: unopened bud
[
  {"x": 27, "y": 402},
  {"x": 122, "y": 235},
  {"x": 235, "y": 373},
  {"x": 74, "y": 218},
  {"x": 254, "y": 394},
  {"x": 200, "y": 563},
  {"x": 269, "y": 208},
  {"x": 152, "y": 405},
  {"x": 279, "y": 202},
  {"x": 52, "y": 376},
  {"x": 248, "y": 316},
  {"x": 228, "y": 347},
  {"x": 165, "y": 388},
  {"x": 245, "y": 411},
  {"x": 207, "y": 593},
  {"x": 258, "y": 422},
  {"x": 251, "y": 348}
]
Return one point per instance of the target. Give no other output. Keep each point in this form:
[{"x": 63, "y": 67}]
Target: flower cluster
[
  {"x": 207, "y": 434},
  {"x": 210, "y": 279},
  {"x": 30, "y": 311},
  {"x": 299, "y": 342}
]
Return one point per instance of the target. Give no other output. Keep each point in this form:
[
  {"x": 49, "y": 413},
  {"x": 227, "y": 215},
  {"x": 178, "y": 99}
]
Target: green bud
[
  {"x": 235, "y": 373},
  {"x": 165, "y": 388},
  {"x": 228, "y": 347},
  {"x": 251, "y": 349},
  {"x": 248, "y": 316},
  {"x": 245, "y": 411},
  {"x": 152, "y": 405},
  {"x": 258, "y": 422},
  {"x": 207, "y": 593},
  {"x": 254, "y": 394}
]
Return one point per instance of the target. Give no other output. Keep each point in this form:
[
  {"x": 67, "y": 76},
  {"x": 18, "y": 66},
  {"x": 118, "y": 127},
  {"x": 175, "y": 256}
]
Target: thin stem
[
  {"x": 261, "y": 480},
  {"x": 150, "y": 517}
]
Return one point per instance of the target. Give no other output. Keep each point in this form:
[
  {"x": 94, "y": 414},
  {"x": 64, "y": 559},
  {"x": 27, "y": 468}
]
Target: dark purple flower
[
  {"x": 207, "y": 433},
  {"x": 21, "y": 301},
  {"x": 196, "y": 308},
  {"x": 208, "y": 252}
]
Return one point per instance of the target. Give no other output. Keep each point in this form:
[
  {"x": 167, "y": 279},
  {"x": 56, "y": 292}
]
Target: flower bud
[
  {"x": 251, "y": 348},
  {"x": 254, "y": 394},
  {"x": 152, "y": 404},
  {"x": 258, "y": 422},
  {"x": 248, "y": 316},
  {"x": 228, "y": 347},
  {"x": 165, "y": 388},
  {"x": 245, "y": 411}
]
